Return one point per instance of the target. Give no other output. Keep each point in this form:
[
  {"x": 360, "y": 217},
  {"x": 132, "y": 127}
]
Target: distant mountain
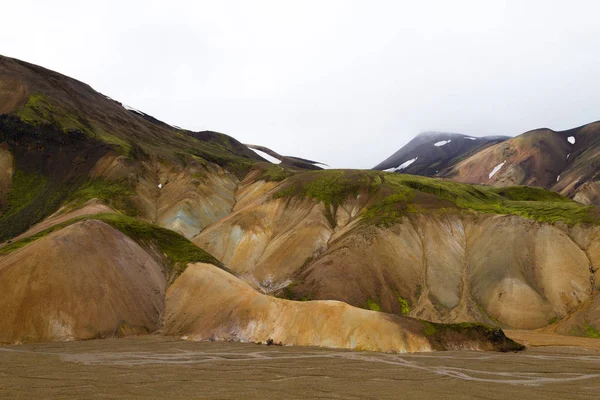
[
  {"x": 431, "y": 152},
  {"x": 567, "y": 162}
]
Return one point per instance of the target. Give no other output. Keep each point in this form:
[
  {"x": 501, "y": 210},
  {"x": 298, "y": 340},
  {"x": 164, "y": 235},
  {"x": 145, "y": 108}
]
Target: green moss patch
[
  {"x": 404, "y": 305},
  {"x": 273, "y": 173},
  {"x": 25, "y": 188},
  {"x": 117, "y": 194},
  {"x": 393, "y": 196},
  {"x": 176, "y": 248},
  {"x": 373, "y": 305}
]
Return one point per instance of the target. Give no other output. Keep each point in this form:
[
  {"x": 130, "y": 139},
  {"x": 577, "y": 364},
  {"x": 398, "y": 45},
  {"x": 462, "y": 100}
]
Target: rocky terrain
[{"x": 114, "y": 224}]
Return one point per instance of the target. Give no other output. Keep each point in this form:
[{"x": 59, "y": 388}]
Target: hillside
[
  {"x": 114, "y": 223},
  {"x": 431, "y": 249}
]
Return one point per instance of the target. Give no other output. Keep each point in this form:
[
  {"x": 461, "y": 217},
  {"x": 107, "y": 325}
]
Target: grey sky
[{"x": 343, "y": 82}]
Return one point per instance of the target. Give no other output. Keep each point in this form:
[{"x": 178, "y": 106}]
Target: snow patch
[
  {"x": 471, "y": 138},
  {"x": 571, "y": 139},
  {"x": 496, "y": 169},
  {"x": 267, "y": 157},
  {"x": 442, "y": 143},
  {"x": 406, "y": 164},
  {"x": 558, "y": 178},
  {"x": 402, "y": 166},
  {"x": 135, "y": 110},
  {"x": 568, "y": 155},
  {"x": 160, "y": 185}
]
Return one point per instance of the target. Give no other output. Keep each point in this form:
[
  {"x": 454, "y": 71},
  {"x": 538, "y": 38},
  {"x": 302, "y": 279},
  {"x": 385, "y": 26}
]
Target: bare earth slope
[
  {"x": 206, "y": 303},
  {"x": 87, "y": 280}
]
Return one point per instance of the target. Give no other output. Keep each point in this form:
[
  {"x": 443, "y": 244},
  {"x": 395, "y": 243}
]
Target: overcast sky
[{"x": 343, "y": 82}]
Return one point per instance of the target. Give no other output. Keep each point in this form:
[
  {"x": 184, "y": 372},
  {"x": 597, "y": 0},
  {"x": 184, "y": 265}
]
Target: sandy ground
[
  {"x": 162, "y": 367},
  {"x": 533, "y": 338}
]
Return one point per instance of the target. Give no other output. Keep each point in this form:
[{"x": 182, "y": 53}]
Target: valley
[{"x": 153, "y": 366}]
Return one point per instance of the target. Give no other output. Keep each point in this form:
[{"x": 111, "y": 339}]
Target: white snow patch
[
  {"x": 471, "y": 138},
  {"x": 406, "y": 164},
  {"x": 135, "y": 110},
  {"x": 402, "y": 166},
  {"x": 558, "y": 178},
  {"x": 568, "y": 155},
  {"x": 267, "y": 157},
  {"x": 160, "y": 185},
  {"x": 496, "y": 169},
  {"x": 571, "y": 139},
  {"x": 442, "y": 143}
]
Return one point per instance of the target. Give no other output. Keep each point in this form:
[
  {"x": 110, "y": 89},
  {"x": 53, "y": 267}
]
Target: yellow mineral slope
[
  {"x": 84, "y": 281},
  {"x": 207, "y": 303},
  {"x": 446, "y": 267},
  {"x": 185, "y": 199}
]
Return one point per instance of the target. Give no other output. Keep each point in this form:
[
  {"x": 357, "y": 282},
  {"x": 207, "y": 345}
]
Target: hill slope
[{"x": 85, "y": 179}]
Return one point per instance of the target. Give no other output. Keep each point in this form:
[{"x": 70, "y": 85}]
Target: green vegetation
[
  {"x": 529, "y": 193},
  {"x": 176, "y": 248},
  {"x": 40, "y": 109},
  {"x": 25, "y": 188},
  {"x": 273, "y": 173},
  {"x": 391, "y": 208},
  {"x": 393, "y": 196},
  {"x": 372, "y": 305},
  {"x": 532, "y": 203},
  {"x": 429, "y": 328},
  {"x": 419, "y": 291},
  {"x": 116, "y": 194},
  {"x": 24, "y": 242},
  {"x": 331, "y": 187},
  {"x": 153, "y": 137},
  {"x": 404, "y": 306},
  {"x": 288, "y": 292},
  {"x": 31, "y": 198},
  {"x": 590, "y": 331}
]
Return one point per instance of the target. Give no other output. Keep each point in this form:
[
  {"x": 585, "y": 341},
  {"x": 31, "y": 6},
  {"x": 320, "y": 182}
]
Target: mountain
[
  {"x": 567, "y": 162},
  {"x": 430, "y": 152},
  {"x": 114, "y": 223}
]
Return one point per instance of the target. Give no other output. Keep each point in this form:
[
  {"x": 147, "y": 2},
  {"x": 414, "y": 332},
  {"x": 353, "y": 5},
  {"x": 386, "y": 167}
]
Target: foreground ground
[{"x": 154, "y": 367}]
